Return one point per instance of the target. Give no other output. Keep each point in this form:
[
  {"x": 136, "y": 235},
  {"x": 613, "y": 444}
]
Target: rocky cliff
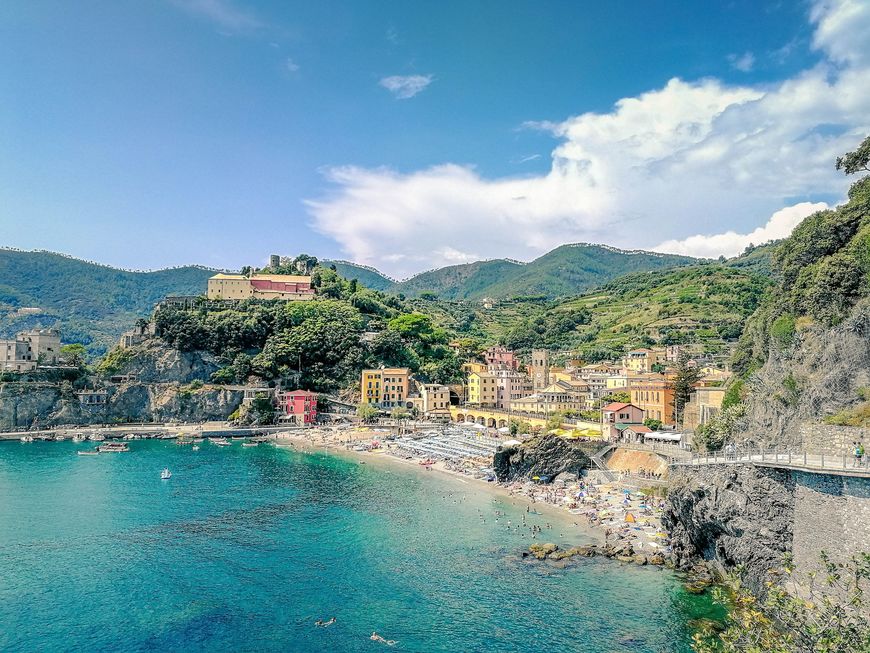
[
  {"x": 821, "y": 371},
  {"x": 547, "y": 455},
  {"x": 730, "y": 515},
  {"x": 154, "y": 361}
]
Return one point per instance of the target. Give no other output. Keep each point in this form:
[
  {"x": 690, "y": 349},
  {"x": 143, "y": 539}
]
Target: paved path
[{"x": 817, "y": 463}]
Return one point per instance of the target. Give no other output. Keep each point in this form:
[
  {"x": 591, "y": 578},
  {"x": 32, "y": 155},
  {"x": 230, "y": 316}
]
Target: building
[
  {"x": 634, "y": 433},
  {"x": 540, "y": 369},
  {"x": 704, "y": 403},
  {"x": 643, "y": 360},
  {"x": 654, "y": 394},
  {"x": 482, "y": 389},
  {"x": 618, "y": 414},
  {"x": 93, "y": 397},
  {"x": 44, "y": 345},
  {"x": 501, "y": 358},
  {"x": 435, "y": 399},
  {"x": 385, "y": 387},
  {"x": 297, "y": 407},
  {"x": 471, "y": 366},
  {"x": 16, "y": 356},
  {"x": 286, "y": 287},
  {"x": 511, "y": 386},
  {"x": 554, "y": 398}
]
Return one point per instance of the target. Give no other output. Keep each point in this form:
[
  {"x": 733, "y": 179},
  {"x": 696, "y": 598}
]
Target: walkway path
[{"x": 817, "y": 463}]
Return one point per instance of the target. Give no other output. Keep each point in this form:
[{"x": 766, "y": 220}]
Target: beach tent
[{"x": 629, "y": 518}]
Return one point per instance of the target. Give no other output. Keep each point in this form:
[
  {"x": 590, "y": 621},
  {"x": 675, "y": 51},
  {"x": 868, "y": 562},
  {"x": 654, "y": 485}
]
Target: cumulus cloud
[
  {"x": 405, "y": 86},
  {"x": 731, "y": 243},
  {"x": 743, "y": 62},
  {"x": 691, "y": 157}
]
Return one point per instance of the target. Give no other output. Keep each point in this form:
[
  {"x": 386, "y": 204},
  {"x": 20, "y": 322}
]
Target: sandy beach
[{"x": 595, "y": 512}]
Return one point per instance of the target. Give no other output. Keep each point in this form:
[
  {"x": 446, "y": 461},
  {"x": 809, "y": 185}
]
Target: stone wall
[
  {"x": 832, "y": 440},
  {"x": 746, "y": 515}
]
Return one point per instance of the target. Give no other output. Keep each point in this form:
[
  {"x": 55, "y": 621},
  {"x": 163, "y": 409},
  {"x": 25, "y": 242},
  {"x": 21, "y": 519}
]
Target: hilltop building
[{"x": 286, "y": 287}]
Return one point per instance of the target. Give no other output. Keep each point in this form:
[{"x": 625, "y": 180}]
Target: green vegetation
[
  {"x": 92, "y": 304},
  {"x": 827, "y": 614},
  {"x": 823, "y": 267},
  {"x": 318, "y": 342},
  {"x": 565, "y": 271}
]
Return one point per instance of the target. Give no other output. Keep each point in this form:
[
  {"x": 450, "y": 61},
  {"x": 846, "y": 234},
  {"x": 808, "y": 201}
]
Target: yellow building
[
  {"x": 482, "y": 389},
  {"x": 386, "y": 387},
  {"x": 704, "y": 403},
  {"x": 470, "y": 367},
  {"x": 642, "y": 360},
  {"x": 286, "y": 287},
  {"x": 557, "y": 397}
]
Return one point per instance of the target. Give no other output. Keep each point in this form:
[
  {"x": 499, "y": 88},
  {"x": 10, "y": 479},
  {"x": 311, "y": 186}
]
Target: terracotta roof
[{"x": 615, "y": 406}]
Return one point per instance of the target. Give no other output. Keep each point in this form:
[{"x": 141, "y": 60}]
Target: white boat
[
  {"x": 59, "y": 438},
  {"x": 88, "y": 452},
  {"x": 77, "y": 438},
  {"x": 27, "y": 438},
  {"x": 250, "y": 444},
  {"x": 165, "y": 474},
  {"x": 113, "y": 447},
  {"x": 130, "y": 436},
  {"x": 221, "y": 442},
  {"x": 195, "y": 447},
  {"x": 96, "y": 437}
]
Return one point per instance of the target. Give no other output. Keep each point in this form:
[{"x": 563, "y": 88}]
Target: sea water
[{"x": 244, "y": 548}]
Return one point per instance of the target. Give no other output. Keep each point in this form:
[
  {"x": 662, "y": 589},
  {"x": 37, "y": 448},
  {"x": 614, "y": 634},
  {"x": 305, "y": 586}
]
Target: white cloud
[
  {"x": 692, "y": 157},
  {"x": 731, "y": 243},
  {"x": 222, "y": 12},
  {"x": 291, "y": 65},
  {"x": 743, "y": 62},
  {"x": 405, "y": 86}
]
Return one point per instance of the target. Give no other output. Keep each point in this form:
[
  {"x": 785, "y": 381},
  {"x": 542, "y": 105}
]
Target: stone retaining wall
[{"x": 832, "y": 440}]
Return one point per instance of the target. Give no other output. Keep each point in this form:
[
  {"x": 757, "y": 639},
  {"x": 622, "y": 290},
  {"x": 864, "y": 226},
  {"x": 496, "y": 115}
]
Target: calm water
[{"x": 245, "y": 547}]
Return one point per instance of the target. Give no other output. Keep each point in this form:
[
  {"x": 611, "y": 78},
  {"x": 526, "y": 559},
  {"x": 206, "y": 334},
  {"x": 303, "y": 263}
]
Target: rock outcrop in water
[
  {"x": 543, "y": 456},
  {"x": 731, "y": 515}
]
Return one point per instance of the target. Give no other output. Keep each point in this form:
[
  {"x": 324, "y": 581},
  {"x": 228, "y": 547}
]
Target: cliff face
[
  {"x": 730, "y": 515},
  {"x": 547, "y": 455},
  {"x": 820, "y": 373},
  {"x": 24, "y": 406},
  {"x": 155, "y": 362}
]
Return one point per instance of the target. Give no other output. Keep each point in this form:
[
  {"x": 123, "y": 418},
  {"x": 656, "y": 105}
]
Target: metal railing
[{"x": 778, "y": 458}]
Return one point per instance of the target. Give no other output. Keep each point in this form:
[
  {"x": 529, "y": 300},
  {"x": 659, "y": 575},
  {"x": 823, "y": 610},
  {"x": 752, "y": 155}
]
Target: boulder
[{"x": 546, "y": 456}]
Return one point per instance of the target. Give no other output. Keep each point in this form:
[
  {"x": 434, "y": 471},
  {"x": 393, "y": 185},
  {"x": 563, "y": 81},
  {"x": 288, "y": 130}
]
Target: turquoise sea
[{"x": 244, "y": 548}]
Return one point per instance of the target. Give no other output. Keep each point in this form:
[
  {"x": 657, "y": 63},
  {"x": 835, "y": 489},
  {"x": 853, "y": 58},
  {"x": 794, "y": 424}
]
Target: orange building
[{"x": 654, "y": 394}]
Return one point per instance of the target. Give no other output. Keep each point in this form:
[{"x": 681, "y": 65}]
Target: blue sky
[{"x": 408, "y": 135}]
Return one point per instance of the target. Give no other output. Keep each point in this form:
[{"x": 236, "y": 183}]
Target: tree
[
  {"x": 856, "y": 161},
  {"x": 652, "y": 424},
  {"x": 400, "y": 414},
  {"x": 74, "y": 354},
  {"x": 366, "y": 412},
  {"x": 684, "y": 384},
  {"x": 620, "y": 397}
]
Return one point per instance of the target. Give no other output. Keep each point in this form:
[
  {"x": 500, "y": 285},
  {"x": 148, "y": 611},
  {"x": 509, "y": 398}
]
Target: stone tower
[{"x": 540, "y": 369}]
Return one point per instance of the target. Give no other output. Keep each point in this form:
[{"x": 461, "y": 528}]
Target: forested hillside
[
  {"x": 566, "y": 271},
  {"x": 92, "y": 304}
]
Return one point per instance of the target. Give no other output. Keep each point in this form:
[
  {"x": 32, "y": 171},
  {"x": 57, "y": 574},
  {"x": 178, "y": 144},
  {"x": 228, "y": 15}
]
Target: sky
[{"x": 412, "y": 135}]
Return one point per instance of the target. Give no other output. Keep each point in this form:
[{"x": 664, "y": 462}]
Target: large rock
[
  {"x": 155, "y": 362},
  {"x": 543, "y": 456},
  {"x": 731, "y": 515}
]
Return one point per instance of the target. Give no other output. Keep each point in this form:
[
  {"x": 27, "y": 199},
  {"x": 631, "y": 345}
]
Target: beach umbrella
[
  {"x": 536, "y": 478},
  {"x": 629, "y": 518}
]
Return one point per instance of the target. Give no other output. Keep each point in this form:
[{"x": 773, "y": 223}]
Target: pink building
[
  {"x": 617, "y": 415},
  {"x": 297, "y": 406},
  {"x": 501, "y": 358}
]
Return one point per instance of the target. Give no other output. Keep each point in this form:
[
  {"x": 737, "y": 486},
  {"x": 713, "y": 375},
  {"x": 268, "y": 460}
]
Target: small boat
[
  {"x": 197, "y": 440},
  {"x": 250, "y": 444},
  {"x": 59, "y": 438},
  {"x": 77, "y": 438},
  {"x": 27, "y": 438},
  {"x": 221, "y": 442},
  {"x": 113, "y": 447},
  {"x": 130, "y": 436},
  {"x": 165, "y": 474},
  {"x": 96, "y": 437},
  {"x": 88, "y": 452}
]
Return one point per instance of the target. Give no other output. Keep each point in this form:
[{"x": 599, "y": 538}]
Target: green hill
[
  {"x": 90, "y": 303},
  {"x": 567, "y": 270},
  {"x": 367, "y": 276}
]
